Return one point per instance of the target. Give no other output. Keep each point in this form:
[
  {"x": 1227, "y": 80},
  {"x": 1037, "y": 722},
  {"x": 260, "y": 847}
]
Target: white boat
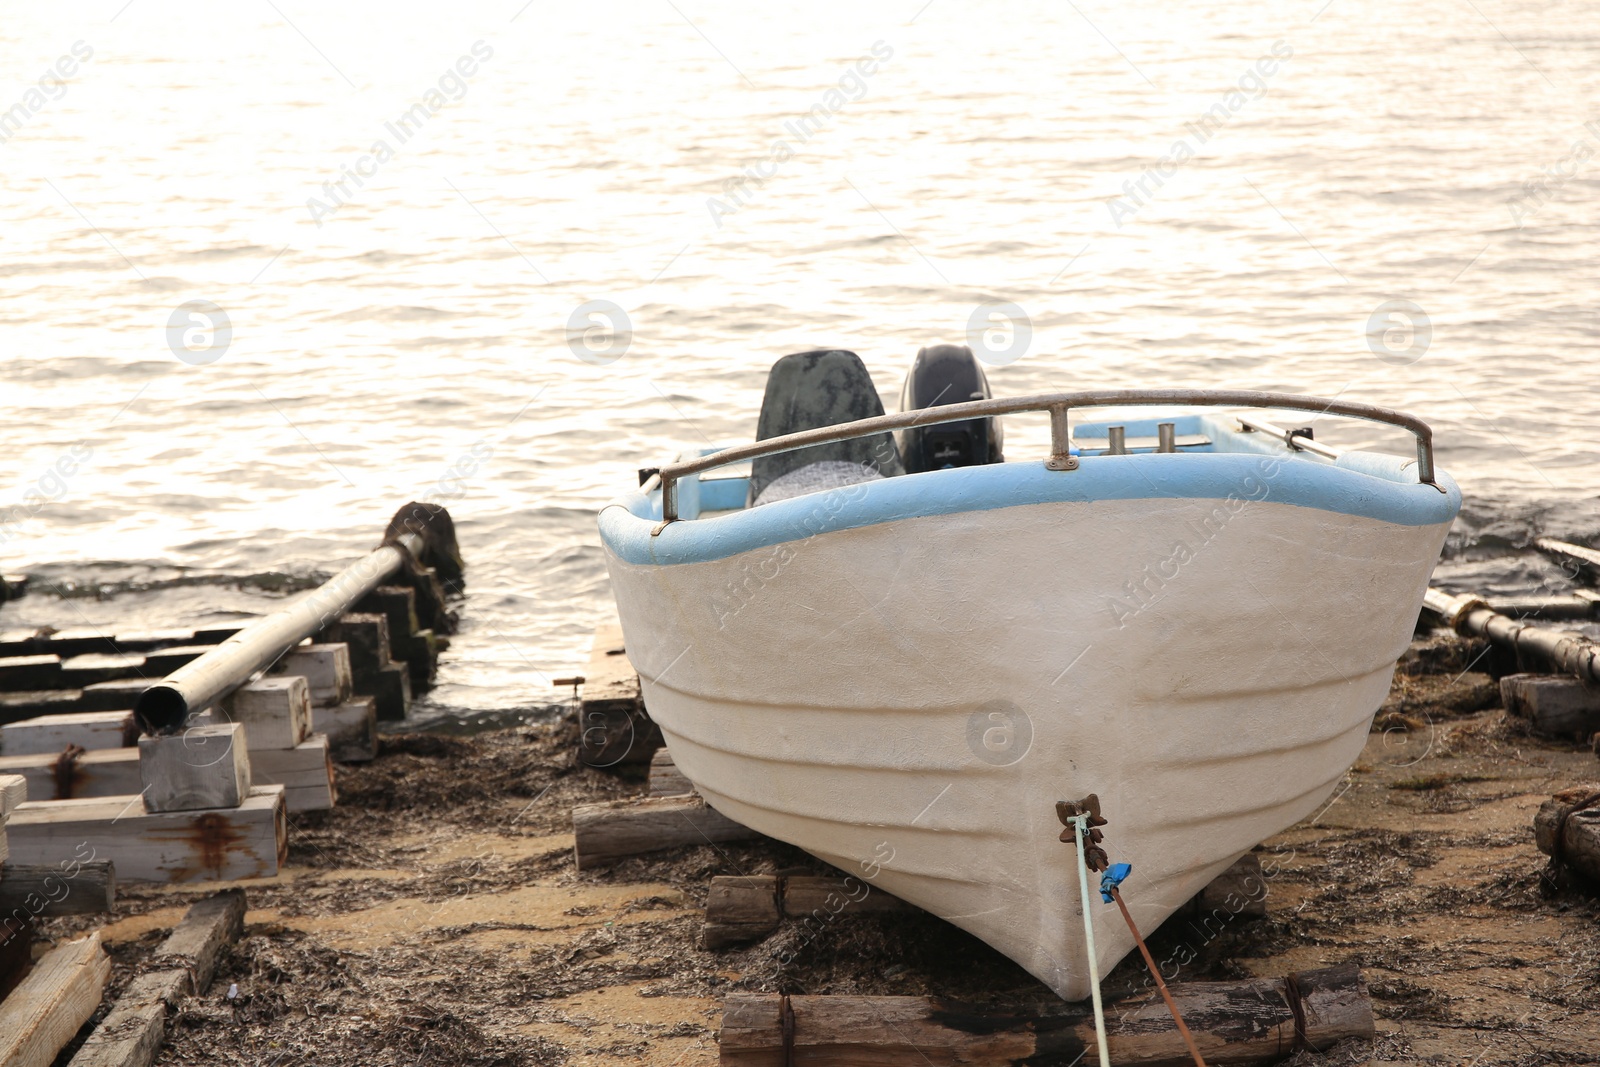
[{"x": 1193, "y": 616}]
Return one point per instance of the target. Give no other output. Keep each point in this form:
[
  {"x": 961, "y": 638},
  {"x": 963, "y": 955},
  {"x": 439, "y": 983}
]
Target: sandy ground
[{"x": 435, "y": 917}]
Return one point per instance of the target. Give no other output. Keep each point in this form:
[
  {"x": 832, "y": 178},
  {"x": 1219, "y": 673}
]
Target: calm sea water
[{"x": 400, "y": 209}]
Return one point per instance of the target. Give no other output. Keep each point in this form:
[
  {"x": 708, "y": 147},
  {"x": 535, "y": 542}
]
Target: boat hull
[{"x": 908, "y": 699}]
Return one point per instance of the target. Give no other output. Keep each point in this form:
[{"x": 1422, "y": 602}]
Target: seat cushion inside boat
[
  {"x": 809, "y": 390},
  {"x": 814, "y": 478}
]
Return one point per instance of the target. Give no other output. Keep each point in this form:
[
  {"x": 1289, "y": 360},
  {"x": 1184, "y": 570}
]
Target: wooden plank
[
  {"x": 1251, "y": 1021},
  {"x": 202, "y": 768},
  {"x": 352, "y": 729},
  {"x": 160, "y": 662},
  {"x": 119, "y": 694},
  {"x": 30, "y": 672},
  {"x": 30, "y": 703},
  {"x": 52, "y": 733},
  {"x": 57, "y": 889},
  {"x": 372, "y": 672},
  {"x": 326, "y": 669},
  {"x": 195, "y": 943},
  {"x": 129, "y": 1036},
  {"x": 92, "y": 667},
  {"x": 606, "y": 833},
  {"x": 275, "y": 711},
  {"x": 305, "y": 772},
  {"x": 614, "y": 729},
  {"x": 146, "y": 640},
  {"x": 13, "y": 793},
  {"x": 107, "y": 772},
  {"x": 59, "y": 995},
  {"x": 665, "y": 778},
  {"x": 185, "y": 846},
  {"x": 132, "y": 1034}
]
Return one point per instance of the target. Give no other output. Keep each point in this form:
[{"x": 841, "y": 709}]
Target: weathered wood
[
  {"x": 13, "y": 792},
  {"x": 1251, "y": 1021},
  {"x": 77, "y": 641},
  {"x": 275, "y": 711},
  {"x": 326, "y": 669},
  {"x": 606, "y": 833},
  {"x": 59, "y": 995},
  {"x": 305, "y": 772},
  {"x": 198, "y": 940},
  {"x": 184, "y": 846},
  {"x": 31, "y": 703},
  {"x": 1555, "y": 705},
  {"x": 160, "y": 662},
  {"x": 52, "y": 733},
  {"x": 352, "y": 729},
  {"x": 1567, "y": 829},
  {"x": 92, "y": 667},
  {"x": 398, "y": 605},
  {"x": 131, "y": 1035},
  {"x": 16, "y": 951},
  {"x": 614, "y": 729},
  {"x": 146, "y": 640},
  {"x": 57, "y": 889},
  {"x": 665, "y": 778},
  {"x": 30, "y": 672},
  {"x": 118, "y": 694},
  {"x": 118, "y": 772},
  {"x": 106, "y": 772},
  {"x": 372, "y": 672},
  {"x": 748, "y": 908},
  {"x": 203, "y": 767}
]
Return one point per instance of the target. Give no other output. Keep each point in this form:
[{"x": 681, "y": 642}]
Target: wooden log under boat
[
  {"x": 603, "y": 834},
  {"x": 1256, "y": 1021}
]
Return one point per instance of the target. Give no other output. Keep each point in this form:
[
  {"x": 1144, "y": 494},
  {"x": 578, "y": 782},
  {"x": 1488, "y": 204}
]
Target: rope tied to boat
[{"x": 1081, "y": 819}]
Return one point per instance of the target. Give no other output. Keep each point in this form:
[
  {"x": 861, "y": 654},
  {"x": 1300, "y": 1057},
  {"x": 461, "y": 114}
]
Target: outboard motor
[
  {"x": 806, "y": 391},
  {"x": 947, "y": 374}
]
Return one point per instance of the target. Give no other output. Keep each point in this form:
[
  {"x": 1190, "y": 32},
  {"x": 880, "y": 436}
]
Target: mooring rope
[{"x": 1081, "y": 825}]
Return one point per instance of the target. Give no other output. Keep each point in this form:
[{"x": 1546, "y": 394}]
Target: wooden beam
[
  {"x": 665, "y": 778},
  {"x": 326, "y": 669},
  {"x": 132, "y": 1034},
  {"x": 28, "y": 704},
  {"x": 202, "y": 768},
  {"x": 606, "y": 833},
  {"x": 106, "y": 772},
  {"x": 249, "y": 841},
  {"x": 372, "y": 672},
  {"x": 1554, "y": 705},
  {"x": 614, "y": 729},
  {"x": 744, "y": 909},
  {"x": 13, "y": 793},
  {"x": 49, "y": 891},
  {"x": 52, "y": 733},
  {"x": 30, "y": 672},
  {"x": 59, "y": 995},
  {"x": 1256, "y": 1021},
  {"x": 274, "y": 711},
  {"x": 305, "y": 772},
  {"x": 352, "y": 729}
]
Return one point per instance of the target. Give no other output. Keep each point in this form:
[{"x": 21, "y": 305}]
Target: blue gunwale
[{"x": 1242, "y": 466}]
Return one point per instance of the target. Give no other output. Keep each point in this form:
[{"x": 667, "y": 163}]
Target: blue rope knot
[{"x": 1112, "y": 878}]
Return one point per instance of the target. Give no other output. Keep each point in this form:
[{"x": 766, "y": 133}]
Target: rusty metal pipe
[
  {"x": 166, "y": 706},
  {"x": 1472, "y": 616}
]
